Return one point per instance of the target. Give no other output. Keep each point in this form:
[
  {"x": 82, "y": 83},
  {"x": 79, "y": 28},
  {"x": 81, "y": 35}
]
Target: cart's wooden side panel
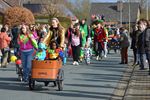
[
  {"x": 47, "y": 64},
  {"x": 44, "y": 73},
  {"x": 47, "y": 69}
]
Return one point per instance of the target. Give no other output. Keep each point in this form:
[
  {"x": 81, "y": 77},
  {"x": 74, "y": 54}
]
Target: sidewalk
[
  {"x": 135, "y": 85},
  {"x": 139, "y": 85}
]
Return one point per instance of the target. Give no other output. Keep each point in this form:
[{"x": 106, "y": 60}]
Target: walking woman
[
  {"x": 26, "y": 48},
  {"x": 76, "y": 42},
  {"x": 56, "y": 33},
  {"x": 99, "y": 39},
  {"x": 4, "y": 46}
]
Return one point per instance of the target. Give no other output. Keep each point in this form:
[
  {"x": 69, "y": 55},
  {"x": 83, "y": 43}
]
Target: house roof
[
  {"x": 109, "y": 10},
  {"x": 38, "y": 8},
  {"x": 35, "y": 8},
  {"x": 13, "y": 2},
  {"x": 3, "y": 6}
]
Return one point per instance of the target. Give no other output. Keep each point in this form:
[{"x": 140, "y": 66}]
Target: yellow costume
[{"x": 48, "y": 38}]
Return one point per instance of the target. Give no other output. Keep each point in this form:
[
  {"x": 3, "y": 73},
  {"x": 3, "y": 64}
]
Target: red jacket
[
  {"x": 4, "y": 40},
  {"x": 100, "y": 35}
]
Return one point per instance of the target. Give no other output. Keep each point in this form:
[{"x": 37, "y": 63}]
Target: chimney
[{"x": 119, "y": 5}]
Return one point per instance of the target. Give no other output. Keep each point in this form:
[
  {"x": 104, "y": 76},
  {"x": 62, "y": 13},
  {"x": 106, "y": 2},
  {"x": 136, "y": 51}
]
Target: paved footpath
[
  {"x": 134, "y": 85},
  {"x": 84, "y": 82}
]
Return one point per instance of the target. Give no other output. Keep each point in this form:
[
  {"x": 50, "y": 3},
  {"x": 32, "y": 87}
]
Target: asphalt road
[{"x": 84, "y": 82}]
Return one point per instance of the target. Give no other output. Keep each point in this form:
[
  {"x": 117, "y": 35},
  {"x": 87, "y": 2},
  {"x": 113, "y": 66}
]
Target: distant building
[
  {"x": 39, "y": 8},
  {"x": 116, "y": 13},
  {"x": 5, "y": 4}
]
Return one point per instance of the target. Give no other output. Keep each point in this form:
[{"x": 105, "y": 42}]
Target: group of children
[
  {"x": 54, "y": 52},
  {"x": 51, "y": 53}
]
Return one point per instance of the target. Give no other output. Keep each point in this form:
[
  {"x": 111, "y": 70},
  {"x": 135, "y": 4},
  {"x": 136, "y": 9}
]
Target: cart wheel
[
  {"x": 31, "y": 84},
  {"x": 46, "y": 83},
  {"x": 60, "y": 85}
]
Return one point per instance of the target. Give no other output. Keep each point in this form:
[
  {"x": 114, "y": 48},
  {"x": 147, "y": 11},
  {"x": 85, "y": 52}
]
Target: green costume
[{"x": 84, "y": 32}]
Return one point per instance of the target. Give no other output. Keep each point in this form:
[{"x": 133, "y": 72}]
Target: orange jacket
[{"x": 4, "y": 40}]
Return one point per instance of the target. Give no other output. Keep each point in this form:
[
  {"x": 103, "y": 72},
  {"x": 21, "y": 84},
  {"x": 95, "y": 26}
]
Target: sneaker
[
  {"x": 122, "y": 63},
  {"x": 74, "y": 63},
  {"x": 77, "y": 63},
  {"x": 97, "y": 58},
  {"x": 105, "y": 56}
]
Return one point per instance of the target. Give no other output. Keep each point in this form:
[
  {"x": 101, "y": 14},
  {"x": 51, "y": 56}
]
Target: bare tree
[
  {"x": 80, "y": 8},
  {"x": 52, "y": 8}
]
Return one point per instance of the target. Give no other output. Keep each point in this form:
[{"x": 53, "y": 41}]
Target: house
[
  {"x": 37, "y": 8},
  {"x": 4, "y": 4},
  {"x": 117, "y": 13}
]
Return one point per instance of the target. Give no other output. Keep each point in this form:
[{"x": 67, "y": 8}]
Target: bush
[{"x": 18, "y": 15}]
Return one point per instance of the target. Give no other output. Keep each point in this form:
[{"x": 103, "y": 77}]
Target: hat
[{"x": 100, "y": 21}]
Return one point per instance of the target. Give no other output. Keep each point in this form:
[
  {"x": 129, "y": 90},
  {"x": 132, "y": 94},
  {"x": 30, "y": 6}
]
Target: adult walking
[
  {"x": 134, "y": 38},
  {"x": 142, "y": 25},
  {"x": 14, "y": 42},
  {"x": 76, "y": 42},
  {"x": 99, "y": 39},
  {"x": 4, "y": 46},
  {"x": 56, "y": 33},
  {"x": 26, "y": 48},
  {"x": 147, "y": 44}
]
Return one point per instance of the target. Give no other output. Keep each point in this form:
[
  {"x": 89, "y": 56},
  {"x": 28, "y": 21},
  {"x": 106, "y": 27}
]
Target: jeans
[
  {"x": 105, "y": 49},
  {"x": 26, "y": 57},
  {"x": 148, "y": 58},
  {"x": 4, "y": 58},
  {"x": 142, "y": 60},
  {"x": 16, "y": 52}
]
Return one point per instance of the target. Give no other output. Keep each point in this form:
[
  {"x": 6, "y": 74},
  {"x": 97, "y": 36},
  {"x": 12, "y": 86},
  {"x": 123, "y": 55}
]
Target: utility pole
[
  {"x": 121, "y": 10},
  {"x": 147, "y": 17},
  {"x": 129, "y": 16}
]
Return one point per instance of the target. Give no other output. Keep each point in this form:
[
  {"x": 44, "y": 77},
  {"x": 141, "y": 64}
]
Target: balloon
[
  {"x": 18, "y": 62},
  {"x": 13, "y": 58}
]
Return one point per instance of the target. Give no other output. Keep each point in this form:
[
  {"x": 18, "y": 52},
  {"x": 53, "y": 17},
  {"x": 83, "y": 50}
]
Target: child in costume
[
  {"x": 41, "y": 53},
  {"x": 87, "y": 53},
  {"x": 54, "y": 52},
  {"x": 65, "y": 54}
]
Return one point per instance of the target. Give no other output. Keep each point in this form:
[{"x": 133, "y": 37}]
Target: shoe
[
  {"x": 97, "y": 58},
  {"x": 105, "y": 56},
  {"x": 74, "y": 63},
  {"x": 88, "y": 63},
  {"x": 100, "y": 58},
  {"x": 125, "y": 63},
  {"x": 77, "y": 63},
  {"x": 122, "y": 63},
  {"x": 136, "y": 64},
  {"x": 142, "y": 69}
]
